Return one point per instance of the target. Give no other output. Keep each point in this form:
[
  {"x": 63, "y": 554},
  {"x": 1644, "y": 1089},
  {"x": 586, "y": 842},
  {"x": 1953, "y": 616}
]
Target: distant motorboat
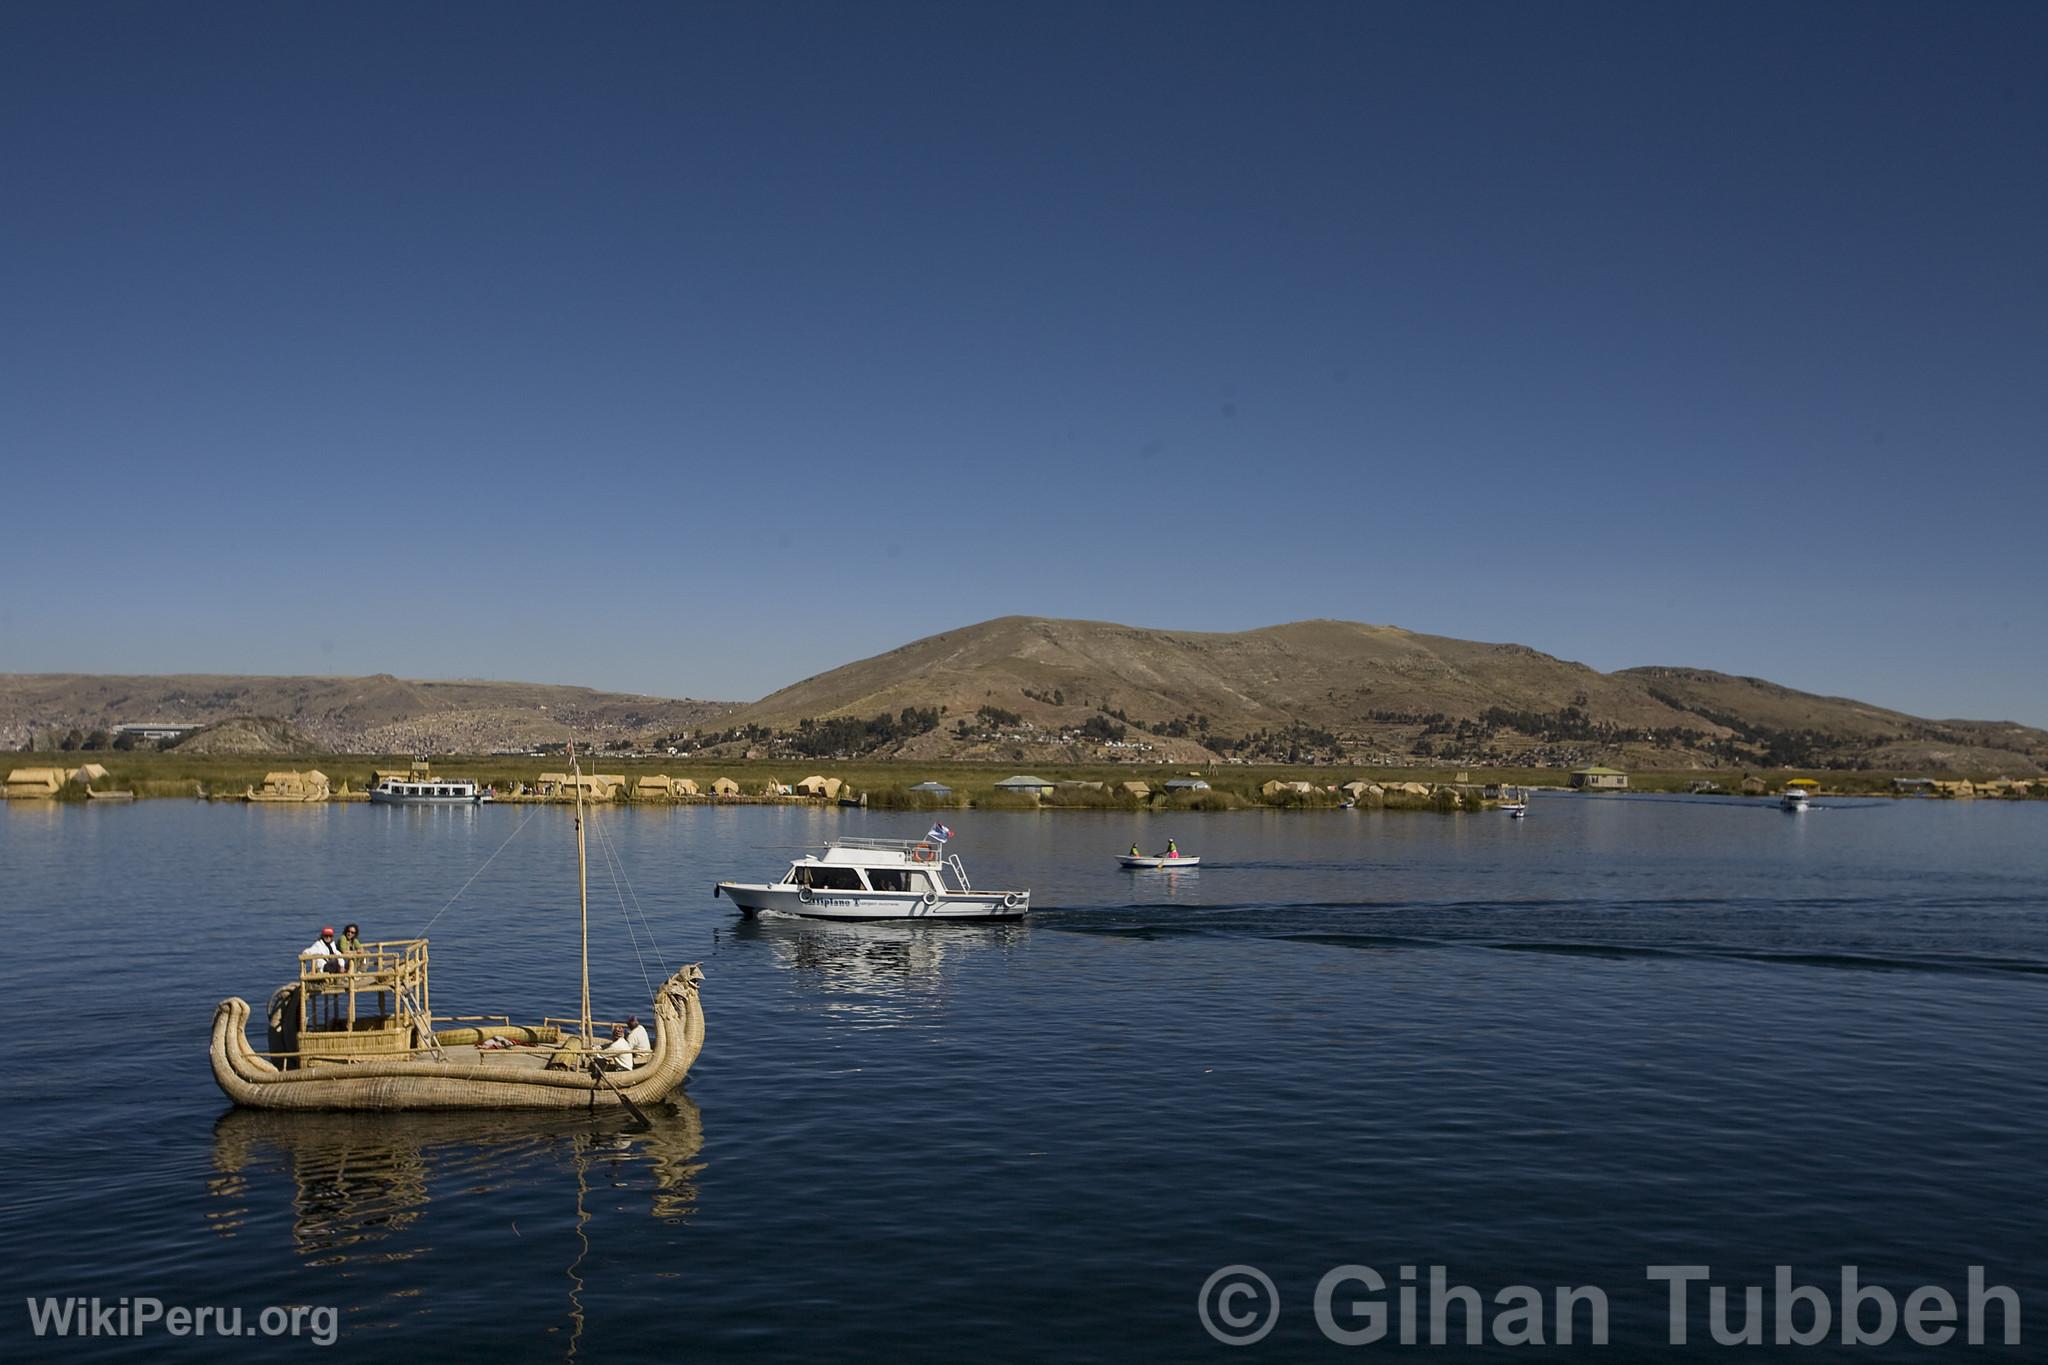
[
  {"x": 868, "y": 879},
  {"x": 421, "y": 788},
  {"x": 1146, "y": 862},
  {"x": 1794, "y": 798},
  {"x": 1517, "y": 810}
]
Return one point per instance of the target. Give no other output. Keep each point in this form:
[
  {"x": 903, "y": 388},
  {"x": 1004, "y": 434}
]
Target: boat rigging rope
[
  {"x": 646, "y": 924},
  {"x": 478, "y": 873},
  {"x": 611, "y": 869}
]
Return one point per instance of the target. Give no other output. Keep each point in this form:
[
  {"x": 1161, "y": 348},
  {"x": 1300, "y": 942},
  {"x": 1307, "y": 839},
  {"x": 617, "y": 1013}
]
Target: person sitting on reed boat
[
  {"x": 618, "y": 1053},
  {"x": 636, "y": 1034},
  {"x": 328, "y": 957},
  {"x": 350, "y": 942}
]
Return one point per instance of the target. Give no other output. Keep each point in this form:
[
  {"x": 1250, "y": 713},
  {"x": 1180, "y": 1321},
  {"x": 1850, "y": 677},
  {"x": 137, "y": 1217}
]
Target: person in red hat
[{"x": 322, "y": 948}]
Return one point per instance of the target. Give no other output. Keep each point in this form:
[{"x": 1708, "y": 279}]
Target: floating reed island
[{"x": 318, "y": 779}]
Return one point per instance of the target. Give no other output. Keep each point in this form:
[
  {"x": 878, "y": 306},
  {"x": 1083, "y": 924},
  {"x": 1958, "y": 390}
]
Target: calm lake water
[{"x": 1624, "y": 1032}]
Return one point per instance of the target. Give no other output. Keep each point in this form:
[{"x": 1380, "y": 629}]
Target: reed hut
[
  {"x": 813, "y": 785},
  {"x": 293, "y": 786},
  {"x": 1141, "y": 790},
  {"x": 90, "y": 773},
  {"x": 659, "y": 787},
  {"x": 33, "y": 782},
  {"x": 725, "y": 786},
  {"x": 683, "y": 786}
]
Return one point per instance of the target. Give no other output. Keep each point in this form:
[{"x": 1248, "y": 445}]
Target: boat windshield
[{"x": 821, "y": 878}]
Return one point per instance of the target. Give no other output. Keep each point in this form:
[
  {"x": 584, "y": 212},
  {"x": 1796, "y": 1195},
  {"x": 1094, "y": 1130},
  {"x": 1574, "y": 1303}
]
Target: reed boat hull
[
  {"x": 254, "y": 1082},
  {"x": 786, "y": 899}
]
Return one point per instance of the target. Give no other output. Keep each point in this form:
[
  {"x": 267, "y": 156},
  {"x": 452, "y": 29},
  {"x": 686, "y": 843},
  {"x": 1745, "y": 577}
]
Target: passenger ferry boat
[
  {"x": 420, "y": 788},
  {"x": 877, "y": 879}
]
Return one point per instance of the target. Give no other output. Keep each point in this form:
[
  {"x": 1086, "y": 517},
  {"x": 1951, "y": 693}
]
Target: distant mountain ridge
[
  {"x": 377, "y": 714},
  {"x": 1023, "y": 689}
]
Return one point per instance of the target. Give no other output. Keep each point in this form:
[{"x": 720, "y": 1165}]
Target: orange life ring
[{"x": 922, "y": 853}]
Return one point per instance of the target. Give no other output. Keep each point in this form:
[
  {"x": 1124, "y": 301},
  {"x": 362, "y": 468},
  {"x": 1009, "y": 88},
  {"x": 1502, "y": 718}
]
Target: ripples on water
[{"x": 1549, "y": 1051}]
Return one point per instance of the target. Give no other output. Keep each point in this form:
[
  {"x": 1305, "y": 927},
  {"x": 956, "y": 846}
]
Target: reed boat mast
[{"x": 582, "y": 888}]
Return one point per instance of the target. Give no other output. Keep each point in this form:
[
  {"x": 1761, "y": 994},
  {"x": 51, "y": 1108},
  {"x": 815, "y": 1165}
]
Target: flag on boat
[{"x": 939, "y": 834}]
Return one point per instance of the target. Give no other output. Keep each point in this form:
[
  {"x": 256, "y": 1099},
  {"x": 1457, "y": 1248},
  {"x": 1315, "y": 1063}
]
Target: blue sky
[{"x": 694, "y": 349}]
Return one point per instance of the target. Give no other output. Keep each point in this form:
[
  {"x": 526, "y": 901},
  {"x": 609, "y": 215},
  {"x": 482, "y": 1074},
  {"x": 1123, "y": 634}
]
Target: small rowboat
[{"x": 1146, "y": 862}]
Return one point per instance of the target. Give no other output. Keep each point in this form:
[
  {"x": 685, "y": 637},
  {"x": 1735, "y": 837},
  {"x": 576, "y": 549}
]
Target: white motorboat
[
  {"x": 1517, "y": 810},
  {"x": 877, "y": 879},
  {"x": 1794, "y": 798},
  {"x": 1145, "y": 862},
  {"x": 428, "y": 791}
]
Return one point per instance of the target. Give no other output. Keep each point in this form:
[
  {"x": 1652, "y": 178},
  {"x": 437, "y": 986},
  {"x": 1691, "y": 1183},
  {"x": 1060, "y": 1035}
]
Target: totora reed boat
[{"x": 357, "y": 1032}]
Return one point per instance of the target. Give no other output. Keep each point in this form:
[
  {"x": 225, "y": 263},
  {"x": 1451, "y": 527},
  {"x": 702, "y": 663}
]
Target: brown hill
[
  {"x": 247, "y": 735},
  {"x": 1880, "y": 737},
  {"x": 1319, "y": 672},
  {"x": 1364, "y": 692}
]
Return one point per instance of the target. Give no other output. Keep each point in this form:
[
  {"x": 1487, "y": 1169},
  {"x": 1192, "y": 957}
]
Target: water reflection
[
  {"x": 361, "y": 1183},
  {"x": 1173, "y": 883},
  {"x": 881, "y": 971}
]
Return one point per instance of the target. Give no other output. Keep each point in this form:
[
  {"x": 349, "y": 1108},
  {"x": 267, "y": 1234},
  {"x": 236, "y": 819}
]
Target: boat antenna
[{"x": 582, "y": 887}]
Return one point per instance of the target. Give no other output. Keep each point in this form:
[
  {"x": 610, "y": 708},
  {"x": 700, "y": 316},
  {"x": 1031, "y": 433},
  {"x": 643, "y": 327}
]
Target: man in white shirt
[
  {"x": 636, "y": 1034},
  {"x": 618, "y": 1053},
  {"x": 323, "y": 948}
]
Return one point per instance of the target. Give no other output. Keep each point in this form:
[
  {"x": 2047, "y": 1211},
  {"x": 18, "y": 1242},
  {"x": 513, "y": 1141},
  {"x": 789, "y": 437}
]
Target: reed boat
[{"x": 356, "y": 1032}]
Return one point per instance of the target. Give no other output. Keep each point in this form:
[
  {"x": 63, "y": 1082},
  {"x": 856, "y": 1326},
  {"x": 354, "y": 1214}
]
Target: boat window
[
  {"x": 835, "y": 879},
  {"x": 888, "y": 879}
]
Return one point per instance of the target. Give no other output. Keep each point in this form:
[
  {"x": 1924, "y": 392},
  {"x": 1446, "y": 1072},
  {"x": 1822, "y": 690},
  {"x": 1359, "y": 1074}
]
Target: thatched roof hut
[
  {"x": 814, "y": 785},
  {"x": 310, "y": 785},
  {"x": 35, "y": 781},
  {"x": 1141, "y": 790},
  {"x": 724, "y": 786}
]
